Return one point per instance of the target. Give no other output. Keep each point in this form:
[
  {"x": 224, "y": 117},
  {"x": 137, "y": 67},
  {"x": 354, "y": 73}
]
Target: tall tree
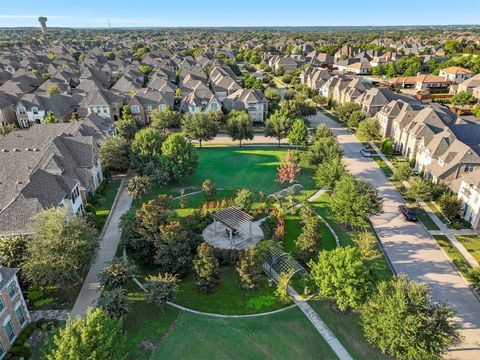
[
  {"x": 298, "y": 135},
  {"x": 369, "y": 129},
  {"x": 127, "y": 126},
  {"x": 354, "y": 201},
  {"x": 200, "y": 127},
  {"x": 161, "y": 289},
  {"x": 249, "y": 268},
  {"x": 61, "y": 251},
  {"x": 206, "y": 269},
  {"x": 97, "y": 336},
  {"x": 239, "y": 126},
  {"x": 329, "y": 172},
  {"x": 173, "y": 248},
  {"x": 342, "y": 275},
  {"x": 278, "y": 125},
  {"x": 165, "y": 119},
  {"x": 115, "y": 153},
  {"x": 182, "y": 153},
  {"x": 288, "y": 169},
  {"x": 401, "y": 319},
  {"x": 323, "y": 149},
  {"x": 138, "y": 186}
]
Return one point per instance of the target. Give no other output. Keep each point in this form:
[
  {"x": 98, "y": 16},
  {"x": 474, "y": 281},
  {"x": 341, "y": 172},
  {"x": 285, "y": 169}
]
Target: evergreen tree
[
  {"x": 206, "y": 269},
  {"x": 249, "y": 269},
  {"x": 161, "y": 289}
]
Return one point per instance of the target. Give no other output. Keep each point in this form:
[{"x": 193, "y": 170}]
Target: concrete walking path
[
  {"x": 410, "y": 247},
  {"x": 90, "y": 292}
]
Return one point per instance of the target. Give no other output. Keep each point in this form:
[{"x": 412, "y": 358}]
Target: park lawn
[
  {"x": 472, "y": 244},
  {"x": 293, "y": 229},
  {"x": 253, "y": 168},
  {"x": 228, "y": 298},
  {"x": 194, "y": 201},
  {"x": 348, "y": 330},
  {"x": 284, "y": 335},
  {"x": 145, "y": 322},
  {"x": 455, "y": 256}
]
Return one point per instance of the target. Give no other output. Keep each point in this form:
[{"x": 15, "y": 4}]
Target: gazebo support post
[
  {"x": 250, "y": 228},
  {"x": 231, "y": 236},
  {"x": 215, "y": 226}
]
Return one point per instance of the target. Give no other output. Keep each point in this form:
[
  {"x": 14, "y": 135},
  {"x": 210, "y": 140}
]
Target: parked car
[
  {"x": 365, "y": 152},
  {"x": 408, "y": 213}
]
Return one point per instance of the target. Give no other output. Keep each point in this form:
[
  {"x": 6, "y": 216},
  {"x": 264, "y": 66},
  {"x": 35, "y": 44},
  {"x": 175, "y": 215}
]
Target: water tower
[{"x": 43, "y": 24}]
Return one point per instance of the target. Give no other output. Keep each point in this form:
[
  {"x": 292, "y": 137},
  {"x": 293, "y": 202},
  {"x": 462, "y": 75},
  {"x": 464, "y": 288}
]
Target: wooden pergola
[{"x": 232, "y": 218}]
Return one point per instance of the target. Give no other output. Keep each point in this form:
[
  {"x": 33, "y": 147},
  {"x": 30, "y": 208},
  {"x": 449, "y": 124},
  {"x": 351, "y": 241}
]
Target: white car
[{"x": 365, "y": 152}]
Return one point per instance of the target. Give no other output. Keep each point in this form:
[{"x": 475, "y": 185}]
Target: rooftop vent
[
  {"x": 16, "y": 149},
  {"x": 4, "y": 150},
  {"x": 28, "y": 149},
  {"x": 36, "y": 149}
]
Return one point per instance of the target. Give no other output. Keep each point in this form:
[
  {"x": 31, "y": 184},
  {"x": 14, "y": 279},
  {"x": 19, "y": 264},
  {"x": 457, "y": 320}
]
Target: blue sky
[{"x": 143, "y": 13}]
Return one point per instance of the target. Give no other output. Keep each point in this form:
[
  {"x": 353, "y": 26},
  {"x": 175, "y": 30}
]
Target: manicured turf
[
  {"x": 228, "y": 298},
  {"x": 236, "y": 168},
  {"x": 286, "y": 335},
  {"x": 383, "y": 166},
  {"x": 472, "y": 244},
  {"x": 426, "y": 219},
  {"x": 455, "y": 256},
  {"x": 145, "y": 323},
  {"x": 103, "y": 209},
  {"x": 293, "y": 229},
  {"x": 348, "y": 330}
]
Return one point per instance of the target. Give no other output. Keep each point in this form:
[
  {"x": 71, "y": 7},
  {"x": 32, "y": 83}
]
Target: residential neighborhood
[{"x": 214, "y": 188}]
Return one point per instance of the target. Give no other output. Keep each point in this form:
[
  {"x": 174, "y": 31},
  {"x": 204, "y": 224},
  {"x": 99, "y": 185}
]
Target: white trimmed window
[
  {"x": 11, "y": 290},
  {"x": 135, "y": 109},
  {"x": 20, "y": 315},
  {"x": 35, "y": 110},
  {"x": 8, "y": 327},
  {"x": 2, "y": 305},
  {"x": 22, "y": 110}
]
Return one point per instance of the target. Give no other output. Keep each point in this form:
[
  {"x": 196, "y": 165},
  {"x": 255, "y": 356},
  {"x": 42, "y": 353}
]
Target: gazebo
[{"x": 232, "y": 218}]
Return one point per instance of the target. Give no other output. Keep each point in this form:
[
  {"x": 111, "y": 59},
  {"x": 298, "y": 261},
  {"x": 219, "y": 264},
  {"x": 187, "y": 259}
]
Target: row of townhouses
[
  {"x": 446, "y": 147},
  {"x": 102, "y": 86}
]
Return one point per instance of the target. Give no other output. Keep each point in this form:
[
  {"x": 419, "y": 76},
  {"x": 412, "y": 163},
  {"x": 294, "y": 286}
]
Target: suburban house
[
  {"x": 32, "y": 108},
  {"x": 359, "y": 67},
  {"x": 251, "y": 100},
  {"x": 374, "y": 99},
  {"x": 471, "y": 85},
  {"x": 455, "y": 74},
  {"x": 7, "y": 109},
  {"x": 200, "y": 98},
  {"x": 102, "y": 102},
  {"x": 395, "y": 109},
  {"x": 314, "y": 77},
  {"x": 408, "y": 130},
  {"x": 46, "y": 166},
  {"x": 14, "y": 315},
  {"x": 468, "y": 189},
  {"x": 145, "y": 101},
  {"x": 420, "y": 82}
]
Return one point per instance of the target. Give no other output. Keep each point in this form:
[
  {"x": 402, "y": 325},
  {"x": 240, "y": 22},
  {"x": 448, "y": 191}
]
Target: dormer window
[
  {"x": 149, "y": 107},
  {"x": 35, "y": 110},
  {"x": 21, "y": 110},
  {"x": 441, "y": 162},
  {"x": 135, "y": 109},
  {"x": 469, "y": 167}
]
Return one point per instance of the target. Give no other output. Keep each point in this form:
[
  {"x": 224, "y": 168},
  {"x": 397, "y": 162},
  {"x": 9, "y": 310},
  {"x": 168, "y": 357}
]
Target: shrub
[
  {"x": 116, "y": 273},
  {"x": 206, "y": 269},
  {"x": 161, "y": 289},
  {"x": 249, "y": 269}
]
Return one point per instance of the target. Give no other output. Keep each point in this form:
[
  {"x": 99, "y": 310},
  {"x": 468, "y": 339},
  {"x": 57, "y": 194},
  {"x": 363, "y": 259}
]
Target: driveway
[{"x": 410, "y": 247}]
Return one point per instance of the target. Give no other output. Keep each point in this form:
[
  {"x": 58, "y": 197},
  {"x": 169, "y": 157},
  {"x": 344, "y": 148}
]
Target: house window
[
  {"x": 105, "y": 109},
  {"x": 135, "y": 109},
  {"x": 9, "y": 330},
  {"x": 469, "y": 167},
  {"x": 11, "y": 290},
  {"x": 149, "y": 107},
  {"x": 2, "y": 305},
  {"x": 20, "y": 315},
  {"x": 192, "y": 108},
  {"x": 22, "y": 111},
  {"x": 214, "y": 106},
  {"x": 1, "y": 351},
  {"x": 75, "y": 194},
  {"x": 35, "y": 110}
]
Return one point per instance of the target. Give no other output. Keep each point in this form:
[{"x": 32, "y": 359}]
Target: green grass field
[
  {"x": 228, "y": 298},
  {"x": 235, "y": 168},
  {"x": 102, "y": 210},
  {"x": 286, "y": 335},
  {"x": 348, "y": 330},
  {"x": 383, "y": 166},
  {"x": 293, "y": 229},
  {"x": 455, "y": 256},
  {"x": 472, "y": 244}
]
